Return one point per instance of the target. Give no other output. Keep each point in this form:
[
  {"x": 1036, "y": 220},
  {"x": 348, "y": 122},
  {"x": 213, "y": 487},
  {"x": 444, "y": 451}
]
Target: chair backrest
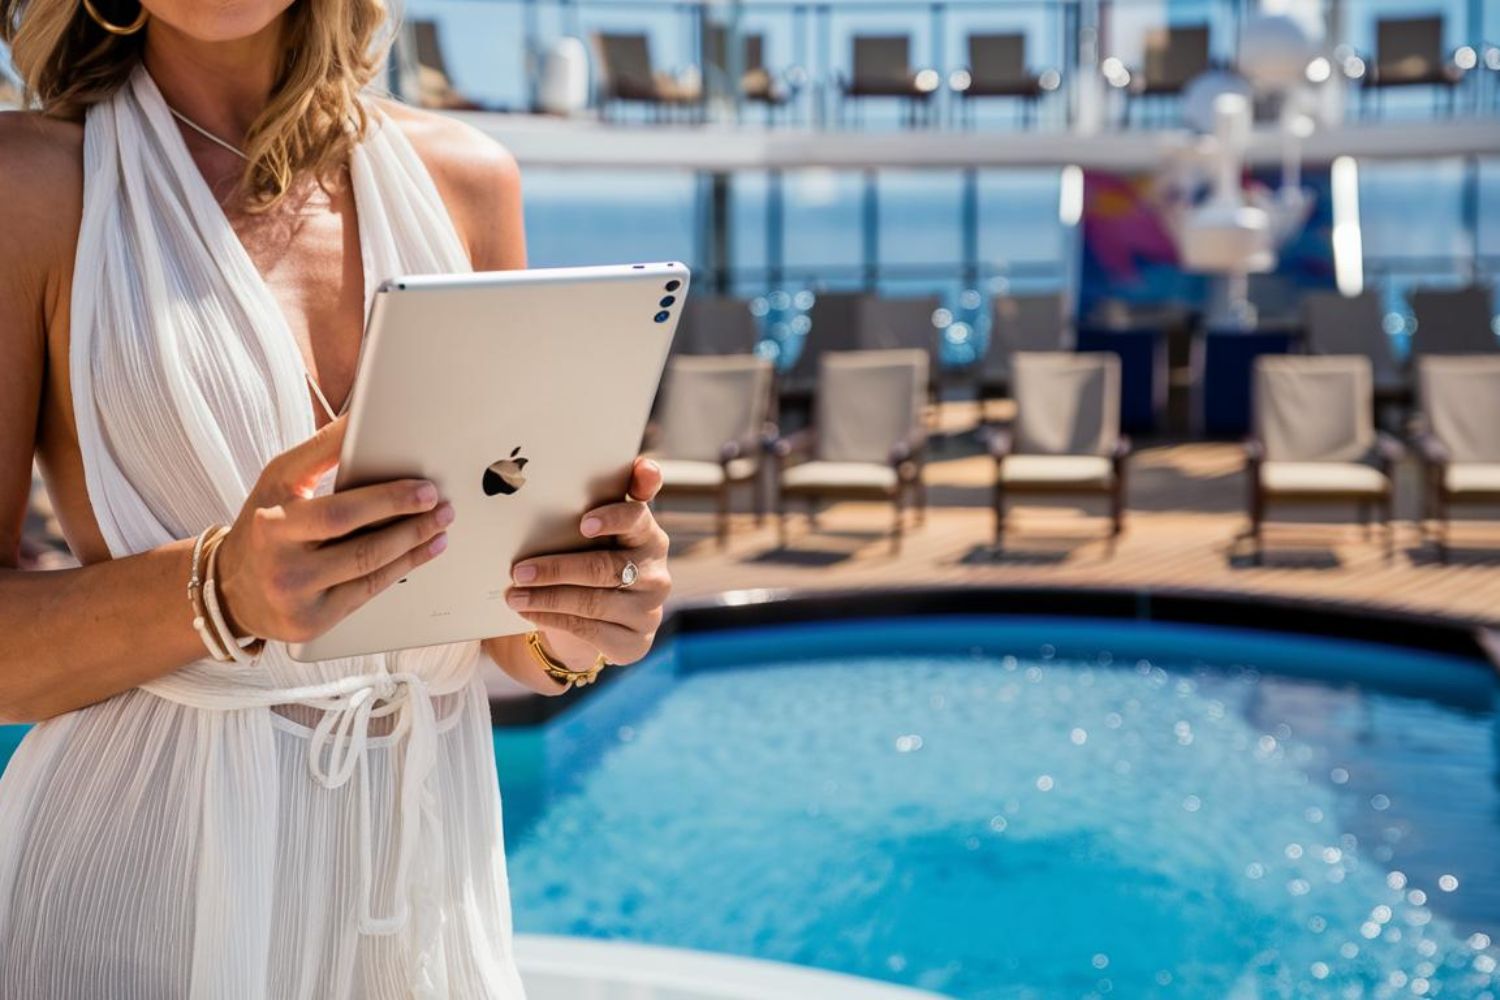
[
  {"x": 997, "y": 59},
  {"x": 429, "y": 47},
  {"x": 1453, "y": 321},
  {"x": 881, "y": 59},
  {"x": 1460, "y": 399},
  {"x": 1023, "y": 323},
  {"x": 1408, "y": 48},
  {"x": 625, "y": 64},
  {"x": 1343, "y": 324},
  {"x": 835, "y": 327},
  {"x": 1066, "y": 403},
  {"x": 888, "y": 323},
  {"x": 1175, "y": 55},
  {"x": 867, "y": 402},
  {"x": 715, "y": 324},
  {"x": 716, "y": 49},
  {"x": 708, "y": 401},
  {"x": 1314, "y": 409}
]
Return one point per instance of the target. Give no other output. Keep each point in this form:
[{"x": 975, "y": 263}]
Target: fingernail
[
  {"x": 591, "y": 526},
  {"x": 427, "y": 494},
  {"x": 652, "y": 465},
  {"x": 445, "y": 514},
  {"x": 524, "y": 573},
  {"x": 438, "y": 545},
  {"x": 517, "y": 599}
]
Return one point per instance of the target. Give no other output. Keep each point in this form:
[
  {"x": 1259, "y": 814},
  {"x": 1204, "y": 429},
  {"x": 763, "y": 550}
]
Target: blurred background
[{"x": 1082, "y": 446}]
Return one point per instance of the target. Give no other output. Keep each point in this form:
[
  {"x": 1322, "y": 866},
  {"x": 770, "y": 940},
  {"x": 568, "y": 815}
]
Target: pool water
[{"x": 1047, "y": 811}]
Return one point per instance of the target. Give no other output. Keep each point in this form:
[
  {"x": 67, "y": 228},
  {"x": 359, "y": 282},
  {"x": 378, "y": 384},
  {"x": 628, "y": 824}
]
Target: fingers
[
  {"x": 299, "y": 468},
  {"x": 360, "y": 556},
  {"x": 341, "y": 601},
  {"x": 619, "y": 644},
  {"x": 336, "y": 515},
  {"x": 638, "y": 611},
  {"x": 645, "y": 480},
  {"x": 595, "y": 568}
]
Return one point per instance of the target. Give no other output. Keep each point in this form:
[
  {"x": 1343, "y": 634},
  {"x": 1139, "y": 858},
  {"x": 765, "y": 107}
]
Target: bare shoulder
[
  {"x": 41, "y": 171},
  {"x": 477, "y": 177}
]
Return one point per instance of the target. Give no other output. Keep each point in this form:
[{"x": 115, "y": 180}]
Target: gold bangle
[{"x": 559, "y": 672}]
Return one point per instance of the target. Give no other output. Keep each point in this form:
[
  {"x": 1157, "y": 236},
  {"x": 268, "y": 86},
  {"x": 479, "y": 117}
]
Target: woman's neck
[{"x": 221, "y": 86}]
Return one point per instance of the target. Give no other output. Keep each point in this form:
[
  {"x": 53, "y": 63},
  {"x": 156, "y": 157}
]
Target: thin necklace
[{"x": 312, "y": 382}]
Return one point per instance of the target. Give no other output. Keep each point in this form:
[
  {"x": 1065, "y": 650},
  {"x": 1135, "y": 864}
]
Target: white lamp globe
[
  {"x": 1198, "y": 97},
  {"x": 1274, "y": 52}
]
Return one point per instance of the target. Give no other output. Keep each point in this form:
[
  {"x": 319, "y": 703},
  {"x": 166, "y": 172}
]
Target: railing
[{"x": 1083, "y": 46}]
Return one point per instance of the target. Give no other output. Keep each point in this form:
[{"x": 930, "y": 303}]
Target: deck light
[
  {"x": 1492, "y": 57},
  {"x": 1319, "y": 70},
  {"x": 1049, "y": 80},
  {"x": 1070, "y": 195},
  {"x": 1115, "y": 73},
  {"x": 1348, "y": 244},
  {"x": 927, "y": 80},
  {"x": 1465, "y": 58},
  {"x": 1354, "y": 67},
  {"x": 960, "y": 80}
]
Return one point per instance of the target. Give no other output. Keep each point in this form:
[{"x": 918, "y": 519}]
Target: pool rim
[{"x": 1462, "y": 638}]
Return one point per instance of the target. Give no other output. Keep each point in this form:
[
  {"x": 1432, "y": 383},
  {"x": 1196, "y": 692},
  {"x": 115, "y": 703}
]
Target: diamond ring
[{"x": 628, "y": 575}]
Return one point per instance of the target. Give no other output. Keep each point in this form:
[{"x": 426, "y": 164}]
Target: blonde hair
[{"x": 334, "y": 49}]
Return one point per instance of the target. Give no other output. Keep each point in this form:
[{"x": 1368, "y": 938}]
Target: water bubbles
[
  {"x": 1008, "y": 663},
  {"x": 1339, "y": 776},
  {"x": 1048, "y": 651},
  {"x": 779, "y": 300},
  {"x": 1349, "y": 950},
  {"x": 1417, "y": 897},
  {"x": 1380, "y": 802},
  {"x": 1298, "y": 887},
  {"x": 1265, "y": 746},
  {"x": 1313, "y": 814},
  {"x": 1100, "y": 961},
  {"x": 1078, "y": 737},
  {"x": 969, "y": 298},
  {"x": 1192, "y": 803},
  {"x": 971, "y": 843},
  {"x": 759, "y": 306},
  {"x": 1448, "y": 883},
  {"x": 1255, "y": 870},
  {"x": 1427, "y": 947},
  {"x": 1293, "y": 851},
  {"x": 999, "y": 823},
  {"x": 625, "y": 734},
  {"x": 1479, "y": 941},
  {"x": 1106, "y": 658},
  {"x": 1283, "y": 732},
  {"x": 804, "y": 300},
  {"x": 1184, "y": 733},
  {"x": 1484, "y": 963},
  {"x": 896, "y": 963},
  {"x": 1332, "y": 855},
  {"x": 1317, "y": 924},
  {"x": 1381, "y": 914},
  {"x": 1034, "y": 674},
  {"x": 1396, "y": 880},
  {"x": 1369, "y": 930},
  {"x": 1113, "y": 720},
  {"x": 1163, "y": 977},
  {"x": 1397, "y": 978},
  {"x": 909, "y": 743},
  {"x": 1044, "y": 783},
  {"x": 942, "y": 318},
  {"x": 1419, "y": 986},
  {"x": 1319, "y": 970}
]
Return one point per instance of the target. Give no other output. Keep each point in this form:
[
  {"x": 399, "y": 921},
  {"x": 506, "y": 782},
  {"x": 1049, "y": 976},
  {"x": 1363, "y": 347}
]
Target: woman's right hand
[{"x": 286, "y": 571}]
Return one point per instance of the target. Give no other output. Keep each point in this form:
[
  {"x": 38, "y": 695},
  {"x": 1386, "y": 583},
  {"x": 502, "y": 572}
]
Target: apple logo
[{"x": 504, "y": 477}]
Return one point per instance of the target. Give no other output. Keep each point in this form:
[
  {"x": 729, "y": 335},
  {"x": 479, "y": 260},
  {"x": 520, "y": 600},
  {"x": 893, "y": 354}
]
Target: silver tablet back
[{"x": 523, "y": 395}]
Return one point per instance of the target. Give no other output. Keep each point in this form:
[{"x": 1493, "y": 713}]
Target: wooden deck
[{"x": 1183, "y": 531}]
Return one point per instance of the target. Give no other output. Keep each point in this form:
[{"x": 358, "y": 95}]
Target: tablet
[{"x": 523, "y": 395}]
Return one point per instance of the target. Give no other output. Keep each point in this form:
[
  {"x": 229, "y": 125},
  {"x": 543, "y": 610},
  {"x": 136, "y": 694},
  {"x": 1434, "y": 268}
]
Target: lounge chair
[
  {"x": 997, "y": 68},
  {"x": 1460, "y": 438},
  {"x": 1453, "y": 321},
  {"x": 626, "y": 75},
  {"x": 433, "y": 84},
  {"x": 756, "y": 83},
  {"x": 712, "y": 432},
  {"x": 1067, "y": 436},
  {"x": 835, "y": 318},
  {"x": 882, "y": 68},
  {"x": 1340, "y": 324},
  {"x": 1409, "y": 52},
  {"x": 716, "y": 324},
  {"x": 867, "y": 441},
  {"x": 1174, "y": 57},
  {"x": 891, "y": 323},
  {"x": 1314, "y": 440},
  {"x": 1020, "y": 323}
]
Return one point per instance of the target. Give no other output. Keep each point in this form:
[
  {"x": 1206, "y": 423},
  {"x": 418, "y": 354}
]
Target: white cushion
[
  {"x": 1473, "y": 477},
  {"x": 839, "y": 475},
  {"x": 1312, "y": 478},
  {"x": 1063, "y": 470},
  {"x": 683, "y": 472}
]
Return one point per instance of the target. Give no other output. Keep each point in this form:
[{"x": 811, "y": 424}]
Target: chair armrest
[
  {"x": 1388, "y": 449},
  {"x": 913, "y": 446},
  {"x": 1434, "y": 452},
  {"x": 741, "y": 447},
  {"x": 1255, "y": 451},
  {"x": 999, "y": 443},
  {"x": 1122, "y": 450},
  {"x": 797, "y": 443}
]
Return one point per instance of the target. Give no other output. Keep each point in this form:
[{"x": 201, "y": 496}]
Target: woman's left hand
[{"x": 575, "y": 598}]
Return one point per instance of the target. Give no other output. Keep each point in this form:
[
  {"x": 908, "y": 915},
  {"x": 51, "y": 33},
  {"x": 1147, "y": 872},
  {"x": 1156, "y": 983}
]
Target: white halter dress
[{"x": 192, "y": 838}]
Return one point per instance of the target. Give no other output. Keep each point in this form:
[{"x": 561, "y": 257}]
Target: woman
[{"x": 189, "y": 233}]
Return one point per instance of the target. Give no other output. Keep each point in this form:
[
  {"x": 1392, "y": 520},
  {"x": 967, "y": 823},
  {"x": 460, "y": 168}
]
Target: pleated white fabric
[{"x": 192, "y": 838}]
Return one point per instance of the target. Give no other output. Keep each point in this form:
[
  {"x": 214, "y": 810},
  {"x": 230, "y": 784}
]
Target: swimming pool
[{"x": 996, "y": 808}]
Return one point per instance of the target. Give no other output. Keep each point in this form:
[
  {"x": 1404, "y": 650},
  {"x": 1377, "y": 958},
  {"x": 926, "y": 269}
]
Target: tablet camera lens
[
  {"x": 673, "y": 285},
  {"x": 663, "y": 316},
  {"x": 667, "y": 300}
]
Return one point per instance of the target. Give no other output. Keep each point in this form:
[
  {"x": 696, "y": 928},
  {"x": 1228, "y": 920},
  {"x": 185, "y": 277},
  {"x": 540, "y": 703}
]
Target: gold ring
[{"x": 110, "y": 26}]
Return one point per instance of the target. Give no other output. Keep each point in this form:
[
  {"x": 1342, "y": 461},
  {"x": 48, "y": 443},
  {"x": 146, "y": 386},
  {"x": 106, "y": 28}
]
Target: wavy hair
[{"x": 314, "y": 117}]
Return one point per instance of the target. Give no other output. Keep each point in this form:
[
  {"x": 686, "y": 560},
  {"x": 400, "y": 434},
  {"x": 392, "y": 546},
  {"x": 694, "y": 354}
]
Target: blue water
[{"x": 1152, "y": 812}]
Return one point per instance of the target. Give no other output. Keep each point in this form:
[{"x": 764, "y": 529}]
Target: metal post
[
  {"x": 718, "y": 237},
  {"x": 775, "y": 230},
  {"x": 1471, "y": 214},
  {"x": 533, "y": 54},
  {"x": 938, "y": 102},
  {"x": 870, "y": 229},
  {"x": 969, "y": 218}
]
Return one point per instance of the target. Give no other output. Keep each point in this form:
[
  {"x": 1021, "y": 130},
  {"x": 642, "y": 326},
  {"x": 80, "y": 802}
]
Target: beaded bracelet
[
  {"x": 195, "y": 594},
  {"x": 240, "y": 650},
  {"x": 559, "y": 672}
]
